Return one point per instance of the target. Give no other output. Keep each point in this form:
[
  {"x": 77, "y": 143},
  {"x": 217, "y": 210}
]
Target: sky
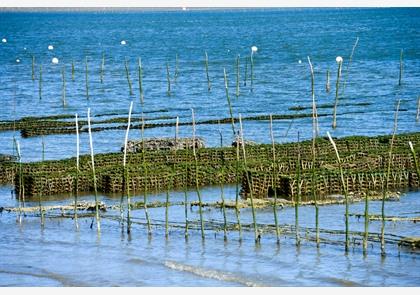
[{"x": 207, "y": 3}]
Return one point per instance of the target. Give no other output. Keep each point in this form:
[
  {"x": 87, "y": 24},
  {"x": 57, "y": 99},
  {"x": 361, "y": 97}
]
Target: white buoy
[
  {"x": 54, "y": 60},
  {"x": 339, "y": 59},
  {"x": 184, "y": 8},
  {"x": 299, "y": 61},
  {"x": 254, "y": 49},
  {"x": 24, "y": 48},
  {"x": 50, "y": 47},
  {"x": 18, "y": 60},
  {"x": 4, "y": 40},
  {"x": 123, "y": 42}
]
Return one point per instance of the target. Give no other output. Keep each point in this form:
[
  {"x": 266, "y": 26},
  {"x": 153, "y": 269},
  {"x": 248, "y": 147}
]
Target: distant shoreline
[{"x": 168, "y": 9}]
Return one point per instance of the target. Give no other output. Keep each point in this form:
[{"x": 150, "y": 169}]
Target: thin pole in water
[
  {"x": 21, "y": 185},
  {"x": 327, "y": 84},
  {"x": 206, "y": 63},
  {"x": 200, "y": 204},
  {"x": 254, "y": 218},
  {"x": 401, "y": 68},
  {"x": 76, "y": 195},
  {"x": 237, "y": 76},
  {"x": 315, "y": 132},
  {"x": 64, "y": 86},
  {"x": 385, "y": 188},
  {"x": 349, "y": 64},
  {"x": 140, "y": 70},
  {"x": 176, "y": 68},
  {"x": 72, "y": 70},
  {"x": 418, "y": 109},
  {"x": 126, "y": 179},
  {"x": 345, "y": 189},
  {"x": 98, "y": 221},
  {"x": 297, "y": 201},
  {"x": 33, "y": 68},
  {"x": 246, "y": 70},
  {"x": 337, "y": 83},
  {"x": 228, "y": 100},
  {"x": 102, "y": 68},
  {"x": 274, "y": 180},
  {"x": 127, "y": 74},
  {"x": 168, "y": 78},
  {"x": 149, "y": 227},
  {"x": 40, "y": 82},
  {"x": 86, "y": 78}
]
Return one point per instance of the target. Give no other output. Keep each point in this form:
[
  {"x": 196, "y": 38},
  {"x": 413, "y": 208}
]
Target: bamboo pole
[
  {"x": 254, "y": 219},
  {"x": 98, "y": 221},
  {"x": 140, "y": 70},
  {"x": 252, "y": 71},
  {"x": 274, "y": 181},
  {"x": 21, "y": 193},
  {"x": 228, "y": 100},
  {"x": 176, "y": 68},
  {"x": 345, "y": 189},
  {"x": 72, "y": 70},
  {"x": 206, "y": 63},
  {"x": 349, "y": 64},
  {"x": 167, "y": 211},
  {"x": 64, "y": 86},
  {"x": 168, "y": 79},
  {"x": 416, "y": 164},
  {"x": 127, "y": 75},
  {"x": 186, "y": 206},
  {"x": 246, "y": 70},
  {"x": 76, "y": 195},
  {"x": 40, "y": 82},
  {"x": 146, "y": 213},
  {"x": 237, "y": 210},
  {"x": 200, "y": 203},
  {"x": 102, "y": 68},
  {"x": 297, "y": 201},
  {"x": 224, "y": 212},
  {"x": 385, "y": 189},
  {"x": 418, "y": 109},
  {"x": 126, "y": 175},
  {"x": 401, "y": 69},
  {"x": 337, "y": 83},
  {"x": 220, "y": 134},
  {"x": 237, "y": 76},
  {"x": 366, "y": 234},
  {"x": 327, "y": 84},
  {"x": 33, "y": 68},
  {"x": 176, "y": 129},
  {"x": 41, "y": 211},
  {"x": 315, "y": 133},
  {"x": 86, "y": 78}
]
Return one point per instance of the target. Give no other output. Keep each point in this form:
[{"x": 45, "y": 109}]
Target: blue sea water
[{"x": 285, "y": 38}]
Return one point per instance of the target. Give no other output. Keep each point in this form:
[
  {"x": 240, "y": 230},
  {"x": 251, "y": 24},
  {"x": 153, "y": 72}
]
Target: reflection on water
[{"x": 58, "y": 255}]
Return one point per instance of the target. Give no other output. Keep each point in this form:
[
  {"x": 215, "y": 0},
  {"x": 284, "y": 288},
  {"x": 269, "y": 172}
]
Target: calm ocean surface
[{"x": 58, "y": 255}]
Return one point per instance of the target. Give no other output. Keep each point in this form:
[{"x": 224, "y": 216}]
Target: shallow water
[{"x": 58, "y": 255}]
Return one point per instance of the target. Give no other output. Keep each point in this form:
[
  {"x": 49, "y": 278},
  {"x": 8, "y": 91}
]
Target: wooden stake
[
  {"x": 206, "y": 62},
  {"x": 98, "y": 221}
]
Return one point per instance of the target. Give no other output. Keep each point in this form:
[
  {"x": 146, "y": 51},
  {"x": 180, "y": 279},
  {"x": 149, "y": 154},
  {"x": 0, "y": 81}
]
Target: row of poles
[{"x": 240, "y": 152}]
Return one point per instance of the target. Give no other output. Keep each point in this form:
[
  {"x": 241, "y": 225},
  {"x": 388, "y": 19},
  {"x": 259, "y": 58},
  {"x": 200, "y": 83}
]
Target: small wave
[{"x": 210, "y": 273}]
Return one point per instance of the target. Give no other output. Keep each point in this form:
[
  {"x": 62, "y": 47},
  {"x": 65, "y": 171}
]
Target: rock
[
  {"x": 7, "y": 158},
  {"x": 156, "y": 144},
  {"x": 240, "y": 142}
]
